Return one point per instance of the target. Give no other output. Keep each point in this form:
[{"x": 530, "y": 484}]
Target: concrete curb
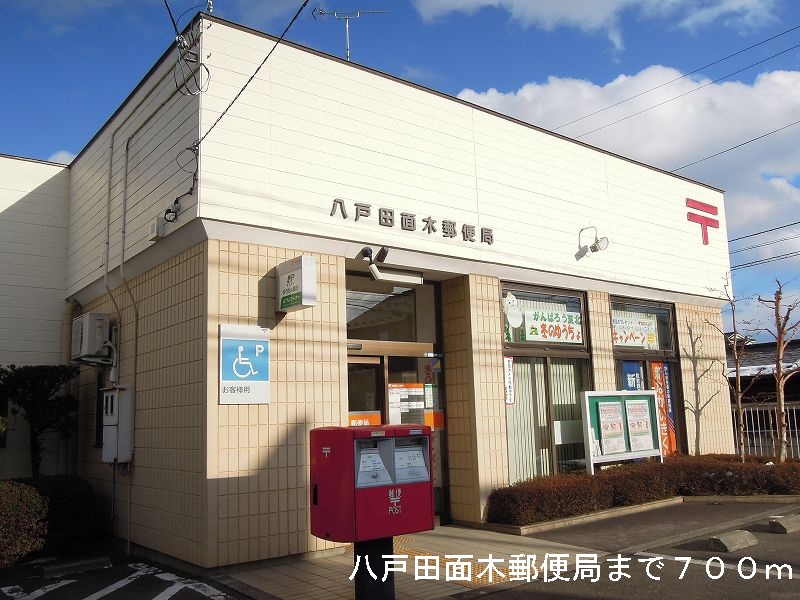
[
  {"x": 698, "y": 533},
  {"x": 761, "y": 499},
  {"x": 578, "y": 519},
  {"x": 629, "y": 510}
]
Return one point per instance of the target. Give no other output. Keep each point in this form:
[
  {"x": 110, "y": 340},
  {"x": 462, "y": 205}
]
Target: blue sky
[{"x": 70, "y": 63}]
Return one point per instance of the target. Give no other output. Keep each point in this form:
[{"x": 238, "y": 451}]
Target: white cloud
[
  {"x": 62, "y": 156},
  {"x": 603, "y": 15}
]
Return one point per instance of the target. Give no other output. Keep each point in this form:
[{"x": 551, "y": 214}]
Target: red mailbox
[{"x": 371, "y": 482}]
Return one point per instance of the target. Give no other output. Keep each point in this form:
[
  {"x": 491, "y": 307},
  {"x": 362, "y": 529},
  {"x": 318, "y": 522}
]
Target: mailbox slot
[
  {"x": 411, "y": 459},
  {"x": 374, "y": 462}
]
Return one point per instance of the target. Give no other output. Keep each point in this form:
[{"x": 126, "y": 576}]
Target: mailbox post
[{"x": 369, "y": 484}]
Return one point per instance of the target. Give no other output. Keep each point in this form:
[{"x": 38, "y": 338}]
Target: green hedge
[
  {"x": 559, "y": 496},
  {"x": 74, "y": 517},
  {"x": 22, "y": 522}
]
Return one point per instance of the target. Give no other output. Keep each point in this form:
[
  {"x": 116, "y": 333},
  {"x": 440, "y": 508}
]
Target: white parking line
[
  {"x": 180, "y": 583},
  {"x": 141, "y": 569},
  {"x": 17, "y": 593}
]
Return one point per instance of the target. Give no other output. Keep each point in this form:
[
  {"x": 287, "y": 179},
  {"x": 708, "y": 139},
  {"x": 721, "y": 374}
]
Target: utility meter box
[
  {"x": 118, "y": 424},
  {"x": 371, "y": 482}
]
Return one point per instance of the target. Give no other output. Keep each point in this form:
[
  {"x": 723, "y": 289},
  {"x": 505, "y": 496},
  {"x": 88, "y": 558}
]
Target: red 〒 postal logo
[{"x": 704, "y": 221}]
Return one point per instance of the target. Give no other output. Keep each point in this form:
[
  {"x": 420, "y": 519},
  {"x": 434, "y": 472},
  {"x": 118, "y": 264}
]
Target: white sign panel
[
  {"x": 553, "y": 326},
  {"x": 639, "y": 332},
  {"x": 297, "y": 284},
  {"x": 508, "y": 378},
  {"x": 243, "y": 365}
]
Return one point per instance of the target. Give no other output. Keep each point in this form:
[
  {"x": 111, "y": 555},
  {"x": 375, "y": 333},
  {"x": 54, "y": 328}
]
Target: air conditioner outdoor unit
[{"x": 89, "y": 334}]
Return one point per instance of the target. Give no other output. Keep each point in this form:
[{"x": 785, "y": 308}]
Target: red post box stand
[{"x": 369, "y": 484}]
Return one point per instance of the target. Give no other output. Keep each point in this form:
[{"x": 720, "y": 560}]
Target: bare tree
[
  {"x": 738, "y": 345},
  {"x": 696, "y": 406},
  {"x": 784, "y": 332}
]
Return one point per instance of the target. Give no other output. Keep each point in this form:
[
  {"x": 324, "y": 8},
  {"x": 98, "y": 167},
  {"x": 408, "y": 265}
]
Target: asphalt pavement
[{"x": 664, "y": 553}]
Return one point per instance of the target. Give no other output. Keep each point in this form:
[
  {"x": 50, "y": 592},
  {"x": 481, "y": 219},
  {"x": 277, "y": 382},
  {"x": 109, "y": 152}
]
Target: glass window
[
  {"x": 378, "y": 310},
  {"x": 545, "y": 428},
  {"x": 641, "y": 327},
  {"x": 542, "y": 317}
]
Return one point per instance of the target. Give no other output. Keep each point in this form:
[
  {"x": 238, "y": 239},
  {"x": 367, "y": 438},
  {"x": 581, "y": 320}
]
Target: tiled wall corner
[
  {"x": 706, "y": 396},
  {"x": 166, "y": 509},
  {"x": 259, "y": 454},
  {"x": 460, "y": 394},
  {"x": 490, "y": 407},
  {"x": 603, "y": 371}
]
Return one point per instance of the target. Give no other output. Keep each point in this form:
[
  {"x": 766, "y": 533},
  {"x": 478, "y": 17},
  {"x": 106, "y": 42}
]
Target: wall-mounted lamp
[{"x": 599, "y": 243}]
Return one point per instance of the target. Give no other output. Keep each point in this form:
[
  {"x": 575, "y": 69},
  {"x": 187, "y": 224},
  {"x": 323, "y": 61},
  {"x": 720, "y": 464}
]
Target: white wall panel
[
  {"x": 311, "y": 129},
  {"x": 155, "y": 123},
  {"x": 34, "y": 205}
]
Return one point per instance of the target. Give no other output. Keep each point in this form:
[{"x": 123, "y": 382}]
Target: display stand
[{"x": 620, "y": 426}]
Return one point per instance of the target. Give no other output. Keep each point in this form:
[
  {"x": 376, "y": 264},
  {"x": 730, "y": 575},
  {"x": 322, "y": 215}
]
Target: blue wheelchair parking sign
[{"x": 245, "y": 360}]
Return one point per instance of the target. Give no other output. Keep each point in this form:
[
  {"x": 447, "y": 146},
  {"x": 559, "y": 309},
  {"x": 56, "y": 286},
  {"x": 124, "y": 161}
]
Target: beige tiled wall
[
  {"x": 487, "y": 351},
  {"x": 166, "y": 512},
  {"x": 476, "y": 435},
  {"x": 258, "y": 455},
  {"x": 602, "y": 345},
  {"x": 705, "y": 390},
  {"x": 460, "y": 394}
]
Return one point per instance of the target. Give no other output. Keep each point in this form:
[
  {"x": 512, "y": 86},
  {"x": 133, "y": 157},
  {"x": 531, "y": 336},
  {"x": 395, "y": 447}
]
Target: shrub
[
  {"x": 22, "y": 522},
  {"x": 73, "y": 517},
  {"x": 547, "y": 498},
  {"x": 554, "y": 497}
]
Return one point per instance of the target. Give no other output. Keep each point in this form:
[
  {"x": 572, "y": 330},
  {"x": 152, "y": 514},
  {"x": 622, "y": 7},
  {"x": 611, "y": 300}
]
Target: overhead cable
[
  {"x": 697, "y": 89},
  {"x": 749, "y": 235},
  {"x": 766, "y": 260},
  {"x": 244, "y": 87},
  {"x": 697, "y": 70},
  {"x": 770, "y": 243},
  {"x": 736, "y": 146}
]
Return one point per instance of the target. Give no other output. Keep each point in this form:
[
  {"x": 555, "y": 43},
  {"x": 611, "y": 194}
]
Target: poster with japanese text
[
  {"x": 659, "y": 384},
  {"x": 612, "y": 428},
  {"x": 640, "y": 432},
  {"x": 638, "y": 332},
  {"x": 553, "y": 326}
]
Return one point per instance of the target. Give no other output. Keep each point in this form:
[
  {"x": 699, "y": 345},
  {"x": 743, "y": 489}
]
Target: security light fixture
[
  {"x": 386, "y": 274},
  {"x": 599, "y": 243}
]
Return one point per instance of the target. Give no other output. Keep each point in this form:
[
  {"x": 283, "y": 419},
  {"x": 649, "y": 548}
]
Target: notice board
[{"x": 620, "y": 426}]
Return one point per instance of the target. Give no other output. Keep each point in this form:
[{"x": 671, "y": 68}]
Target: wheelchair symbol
[{"x": 243, "y": 363}]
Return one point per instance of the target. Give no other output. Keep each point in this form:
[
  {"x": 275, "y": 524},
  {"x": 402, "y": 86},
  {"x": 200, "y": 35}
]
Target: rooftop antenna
[{"x": 346, "y": 16}]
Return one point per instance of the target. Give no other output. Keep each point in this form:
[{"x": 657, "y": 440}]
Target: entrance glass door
[
  {"x": 365, "y": 390},
  {"x": 403, "y": 388}
]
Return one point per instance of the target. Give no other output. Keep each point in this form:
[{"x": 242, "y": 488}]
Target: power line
[
  {"x": 766, "y": 260},
  {"x": 764, "y": 231},
  {"x": 689, "y": 92},
  {"x": 736, "y": 146},
  {"x": 253, "y": 76},
  {"x": 785, "y": 239},
  {"x": 697, "y": 70},
  {"x": 171, "y": 18}
]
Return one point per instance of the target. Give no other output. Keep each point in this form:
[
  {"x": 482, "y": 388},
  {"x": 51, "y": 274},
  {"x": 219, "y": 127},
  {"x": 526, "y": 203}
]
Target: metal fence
[{"x": 759, "y": 429}]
